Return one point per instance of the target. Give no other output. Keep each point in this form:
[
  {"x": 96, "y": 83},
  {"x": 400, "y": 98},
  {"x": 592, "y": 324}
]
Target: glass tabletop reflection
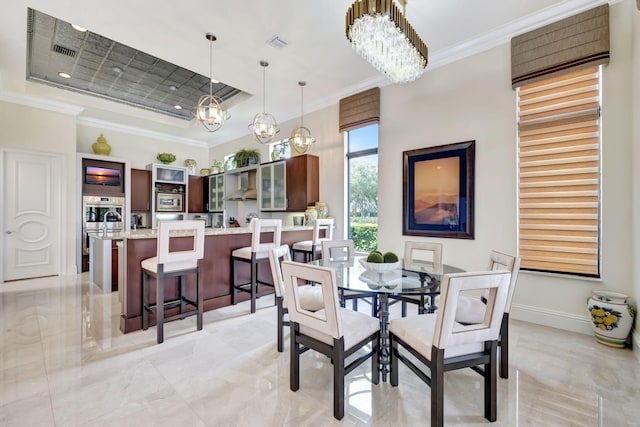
[{"x": 421, "y": 278}]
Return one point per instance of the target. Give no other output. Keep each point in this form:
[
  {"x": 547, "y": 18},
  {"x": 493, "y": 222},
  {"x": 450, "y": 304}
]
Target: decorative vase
[
  {"x": 191, "y": 166},
  {"x": 275, "y": 154},
  {"x": 101, "y": 147},
  {"x": 611, "y": 316},
  {"x": 323, "y": 210},
  {"x": 310, "y": 215}
]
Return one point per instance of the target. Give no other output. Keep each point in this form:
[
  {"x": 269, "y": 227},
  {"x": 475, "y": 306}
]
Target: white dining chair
[
  {"x": 333, "y": 331},
  {"x": 310, "y": 295},
  {"x": 441, "y": 344},
  {"x": 343, "y": 250},
  {"x": 471, "y": 308},
  {"x": 420, "y": 256}
]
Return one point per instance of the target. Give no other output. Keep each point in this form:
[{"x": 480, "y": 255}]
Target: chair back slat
[
  {"x": 276, "y": 256},
  {"x": 187, "y": 228},
  {"x": 414, "y": 255},
  {"x": 450, "y": 333},
  {"x": 258, "y": 226},
  {"x": 338, "y": 249},
  {"x": 326, "y": 321},
  {"x": 322, "y": 224},
  {"x": 500, "y": 261}
]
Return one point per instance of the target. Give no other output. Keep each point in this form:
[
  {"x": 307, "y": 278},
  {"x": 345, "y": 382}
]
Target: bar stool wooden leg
[
  {"x": 160, "y": 305},
  {"x": 199, "y": 296},
  {"x": 145, "y": 300}
]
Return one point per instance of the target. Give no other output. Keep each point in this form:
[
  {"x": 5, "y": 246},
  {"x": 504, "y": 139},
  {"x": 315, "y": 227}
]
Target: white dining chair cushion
[
  {"x": 470, "y": 309},
  {"x": 310, "y": 298},
  {"x": 418, "y": 332},
  {"x": 355, "y": 326},
  {"x": 151, "y": 264}
]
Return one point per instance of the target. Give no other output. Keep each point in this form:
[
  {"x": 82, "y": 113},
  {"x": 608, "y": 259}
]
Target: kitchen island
[{"x": 216, "y": 268}]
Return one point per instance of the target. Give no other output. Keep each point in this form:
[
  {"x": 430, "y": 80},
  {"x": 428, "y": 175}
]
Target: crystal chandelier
[
  {"x": 301, "y": 139},
  {"x": 381, "y": 34},
  {"x": 264, "y": 126},
  {"x": 209, "y": 110}
]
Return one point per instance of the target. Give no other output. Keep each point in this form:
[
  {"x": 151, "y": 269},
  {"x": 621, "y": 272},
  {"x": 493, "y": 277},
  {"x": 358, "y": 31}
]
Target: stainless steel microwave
[{"x": 169, "y": 202}]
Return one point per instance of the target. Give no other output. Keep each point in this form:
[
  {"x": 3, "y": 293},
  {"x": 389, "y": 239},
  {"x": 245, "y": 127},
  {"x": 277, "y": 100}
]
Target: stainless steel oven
[{"x": 100, "y": 214}]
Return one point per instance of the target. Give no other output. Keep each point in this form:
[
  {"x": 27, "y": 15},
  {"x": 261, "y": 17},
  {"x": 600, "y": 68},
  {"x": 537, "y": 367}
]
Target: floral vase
[
  {"x": 611, "y": 317},
  {"x": 310, "y": 215},
  {"x": 323, "y": 210},
  {"x": 101, "y": 147}
]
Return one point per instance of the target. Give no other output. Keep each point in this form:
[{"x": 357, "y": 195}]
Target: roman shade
[
  {"x": 360, "y": 110},
  {"x": 559, "y": 174},
  {"x": 574, "y": 43}
]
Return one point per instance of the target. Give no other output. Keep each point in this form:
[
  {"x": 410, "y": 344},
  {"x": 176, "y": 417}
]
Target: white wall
[
  {"x": 140, "y": 150},
  {"x": 473, "y": 99},
  {"x": 635, "y": 132},
  {"x": 27, "y": 128}
]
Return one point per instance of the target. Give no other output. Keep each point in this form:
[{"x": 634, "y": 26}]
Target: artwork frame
[{"x": 438, "y": 191}]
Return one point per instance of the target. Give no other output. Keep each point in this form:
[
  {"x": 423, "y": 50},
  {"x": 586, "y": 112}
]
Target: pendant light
[
  {"x": 209, "y": 110},
  {"x": 301, "y": 139},
  {"x": 264, "y": 126}
]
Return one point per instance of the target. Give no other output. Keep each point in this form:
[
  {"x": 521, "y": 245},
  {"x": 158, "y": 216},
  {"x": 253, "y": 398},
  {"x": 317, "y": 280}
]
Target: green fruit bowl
[{"x": 166, "y": 158}]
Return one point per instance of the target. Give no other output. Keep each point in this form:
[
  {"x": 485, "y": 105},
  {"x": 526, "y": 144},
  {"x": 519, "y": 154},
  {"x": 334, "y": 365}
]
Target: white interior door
[{"x": 31, "y": 215}]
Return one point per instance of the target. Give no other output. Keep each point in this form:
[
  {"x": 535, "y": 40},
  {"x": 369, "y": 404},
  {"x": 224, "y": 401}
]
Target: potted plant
[{"x": 247, "y": 157}]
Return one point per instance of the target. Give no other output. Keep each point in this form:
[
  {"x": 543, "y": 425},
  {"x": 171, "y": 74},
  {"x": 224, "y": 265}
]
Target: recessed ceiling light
[
  {"x": 79, "y": 28},
  {"x": 117, "y": 69},
  {"x": 64, "y": 75},
  {"x": 214, "y": 81},
  {"x": 173, "y": 88},
  {"x": 178, "y": 107}
]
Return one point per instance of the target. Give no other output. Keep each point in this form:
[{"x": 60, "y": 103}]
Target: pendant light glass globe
[
  {"x": 264, "y": 126},
  {"x": 301, "y": 139},
  {"x": 209, "y": 110}
]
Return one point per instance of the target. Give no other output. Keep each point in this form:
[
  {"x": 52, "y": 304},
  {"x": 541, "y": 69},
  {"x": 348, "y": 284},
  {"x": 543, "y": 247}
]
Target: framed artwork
[{"x": 438, "y": 185}]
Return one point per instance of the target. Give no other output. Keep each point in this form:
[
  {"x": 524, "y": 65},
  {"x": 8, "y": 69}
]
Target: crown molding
[
  {"x": 133, "y": 130},
  {"x": 505, "y": 33},
  {"x": 41, "y": 103}
]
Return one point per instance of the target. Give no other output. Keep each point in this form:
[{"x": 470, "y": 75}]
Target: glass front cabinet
[
  {"x": 273, "y": 188},
  {"x": 216, "y": 193}
]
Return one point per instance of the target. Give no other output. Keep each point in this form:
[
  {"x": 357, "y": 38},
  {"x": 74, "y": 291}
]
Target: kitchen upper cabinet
[
  {"x": 196, "y": 194},
  {"x": 273, "y": 196},
  {"x": 140, "y": 190},
  {"x": 214, "y": 193},
  {"x": 295, "y": 179}
]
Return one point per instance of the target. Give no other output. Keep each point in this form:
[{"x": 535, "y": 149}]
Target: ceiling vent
[
  {"x": 64, "y": 51},
  {"x": 277, "y": 42}
]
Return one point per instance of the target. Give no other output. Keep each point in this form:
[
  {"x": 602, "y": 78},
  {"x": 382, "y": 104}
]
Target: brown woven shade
[
  {"x": 574, "y": 43},
  {"x": 360, "y": 109}
]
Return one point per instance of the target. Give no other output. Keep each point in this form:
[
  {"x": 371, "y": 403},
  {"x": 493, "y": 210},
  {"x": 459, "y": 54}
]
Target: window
[
  {"x": 362, "y": 169},
  {"x": 559, "y": 174}
]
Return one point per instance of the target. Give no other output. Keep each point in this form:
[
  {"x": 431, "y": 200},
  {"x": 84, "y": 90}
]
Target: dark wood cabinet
[
  {"x": 196, "y": 194},
  {"x": 303, "y": 187},
  {"x": 140, "y": 190}
]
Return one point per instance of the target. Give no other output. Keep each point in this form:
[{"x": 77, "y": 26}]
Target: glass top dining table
[{"x": 421, "y": 279}]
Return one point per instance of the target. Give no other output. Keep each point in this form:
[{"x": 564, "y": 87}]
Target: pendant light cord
[{"x": 211, "y": 67}]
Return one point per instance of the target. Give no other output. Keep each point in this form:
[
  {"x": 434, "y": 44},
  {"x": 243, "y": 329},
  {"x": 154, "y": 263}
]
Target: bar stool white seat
[{"x": 176, "y": 263}]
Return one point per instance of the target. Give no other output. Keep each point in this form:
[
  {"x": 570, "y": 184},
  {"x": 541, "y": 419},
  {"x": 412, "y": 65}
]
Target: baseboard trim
[{"x": 551, "y": 318}]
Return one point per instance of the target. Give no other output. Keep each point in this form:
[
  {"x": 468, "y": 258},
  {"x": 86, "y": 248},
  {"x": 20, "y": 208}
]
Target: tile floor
[{"x": 64, "y": 362}]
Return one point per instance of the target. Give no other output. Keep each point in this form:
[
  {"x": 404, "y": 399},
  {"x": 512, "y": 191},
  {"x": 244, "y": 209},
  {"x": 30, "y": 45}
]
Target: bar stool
[
  {"x": 312, "y": 248},
  {"x": 177, "y": 263},
  {"x": 254, "y": 255}
]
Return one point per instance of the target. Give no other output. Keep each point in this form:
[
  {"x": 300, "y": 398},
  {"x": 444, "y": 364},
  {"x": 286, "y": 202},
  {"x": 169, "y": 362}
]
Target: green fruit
[
  {"x": 390, "y": 257},
  {"x": 376, "y": 251},
  {"x": 375, "y": 257}
]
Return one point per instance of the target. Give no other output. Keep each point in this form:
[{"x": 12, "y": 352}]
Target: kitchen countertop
[{"x": 150, "y": 233}]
